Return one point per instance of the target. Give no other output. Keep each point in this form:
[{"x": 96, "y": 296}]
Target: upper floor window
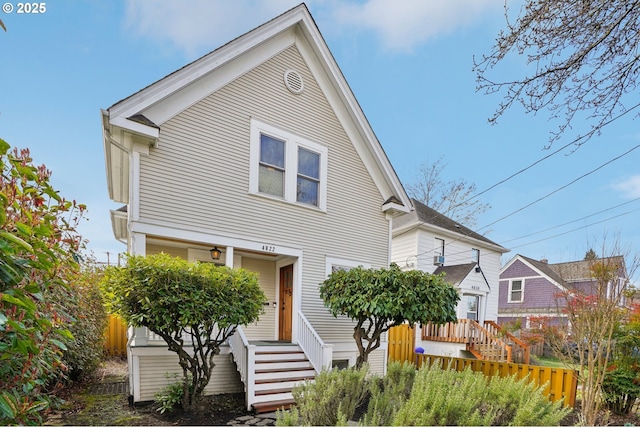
[
  {"x": 475, "y": 255},
  {"x": 271, "y": 175},
  {"x": 288, "y": 167},
  {"x": 516, "y": 291}
]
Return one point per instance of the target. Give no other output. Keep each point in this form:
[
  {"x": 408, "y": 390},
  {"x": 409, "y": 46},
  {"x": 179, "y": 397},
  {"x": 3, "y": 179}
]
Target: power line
[
  {"x": 571, "y": 222},
  {"x": 560, "y": 188},
  {"x": 542, "y": 231},
  {"x": 575, "y": 229}
]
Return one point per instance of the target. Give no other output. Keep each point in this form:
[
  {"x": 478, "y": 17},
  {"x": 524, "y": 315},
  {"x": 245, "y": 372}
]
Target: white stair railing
[
  {"x": 244, "y": 354},
  {"x": 318, "y": 353}
]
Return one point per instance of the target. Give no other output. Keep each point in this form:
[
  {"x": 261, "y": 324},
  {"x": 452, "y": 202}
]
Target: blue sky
[{"x": 409, "y": 65}]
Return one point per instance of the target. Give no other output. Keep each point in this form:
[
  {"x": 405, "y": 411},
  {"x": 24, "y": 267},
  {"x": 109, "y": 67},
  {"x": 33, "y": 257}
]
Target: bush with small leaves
[
  {"x": 388, "y": 394},
  {"x": 448, "y": 397},
  {"x": 333, "y": 395}
]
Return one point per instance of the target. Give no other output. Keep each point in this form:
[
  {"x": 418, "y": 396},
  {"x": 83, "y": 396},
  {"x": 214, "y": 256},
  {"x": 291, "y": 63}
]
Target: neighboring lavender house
[{"x": 530, "y": 288}]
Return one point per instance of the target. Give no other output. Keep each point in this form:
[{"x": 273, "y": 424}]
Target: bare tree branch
[
  {"x": 584, "y": 57},
  {"x": 450, "y": 198}
]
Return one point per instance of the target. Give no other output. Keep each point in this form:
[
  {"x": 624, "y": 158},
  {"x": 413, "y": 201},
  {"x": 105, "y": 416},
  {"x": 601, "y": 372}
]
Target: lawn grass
[{"x": 552, "y": 362}]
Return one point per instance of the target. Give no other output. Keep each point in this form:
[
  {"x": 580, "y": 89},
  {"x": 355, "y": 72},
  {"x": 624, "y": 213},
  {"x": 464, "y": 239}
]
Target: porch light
[{"x": 215, "y": 253}]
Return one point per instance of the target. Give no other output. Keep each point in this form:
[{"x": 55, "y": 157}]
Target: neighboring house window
[
  {"x": 475, "y": 255},
  {"x": 516, "y": 291},
  {"x": 287, "y": 167},
  {"x": 472, "y": 303},
  {"x": 439, "y": 247}
]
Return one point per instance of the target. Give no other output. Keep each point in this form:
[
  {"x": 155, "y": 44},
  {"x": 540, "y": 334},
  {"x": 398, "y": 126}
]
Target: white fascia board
[
  {"x": 202, "y": 67},
  {"x": 511, "y": 261},
  {"x": 540, "y": 273},
  {"x": 186, "y": 233},
  {"x": 135, "y": 127},
  {"x": 344, "y": 103}
]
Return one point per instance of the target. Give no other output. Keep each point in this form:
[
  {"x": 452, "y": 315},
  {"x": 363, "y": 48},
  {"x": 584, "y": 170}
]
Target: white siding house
[
  {"x": 259, "y": 149},
  {"x": 429, "y": 241}
]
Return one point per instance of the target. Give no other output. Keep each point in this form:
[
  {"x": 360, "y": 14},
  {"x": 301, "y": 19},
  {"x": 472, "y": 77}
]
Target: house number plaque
[{"x": 268, "y": 248}]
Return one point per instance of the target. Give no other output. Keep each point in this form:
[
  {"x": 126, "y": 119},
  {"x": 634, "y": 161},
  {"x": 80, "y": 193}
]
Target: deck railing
[
  {"x": 521, "y": 351},
  {"x": 244, "y": 354},
  {"x": 480, "y": 341},
  {"x": 317, "y": 351}
]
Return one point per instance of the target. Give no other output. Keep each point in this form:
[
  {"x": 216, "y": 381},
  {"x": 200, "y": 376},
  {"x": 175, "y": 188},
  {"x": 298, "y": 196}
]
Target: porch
[{"x": 485, "y": 342}]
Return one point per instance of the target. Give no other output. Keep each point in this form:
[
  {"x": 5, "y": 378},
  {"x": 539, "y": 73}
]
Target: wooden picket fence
[
  {"x": 559, "y": 384},
  {"x": 115, "y": 343}
]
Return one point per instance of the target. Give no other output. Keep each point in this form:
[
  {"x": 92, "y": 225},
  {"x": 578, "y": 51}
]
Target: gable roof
[
  {"x": 581, "y": 270},
  {"x": 142, "y": 114},
  {"x": 424, "y": 215},
  {"x": 545, "y": 268},
  {"x": 455, "y": 274},
  {"x": 564, "y": 272}
]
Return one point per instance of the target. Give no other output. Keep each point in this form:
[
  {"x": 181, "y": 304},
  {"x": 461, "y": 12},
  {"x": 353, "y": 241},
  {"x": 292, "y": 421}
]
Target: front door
[{"x": 286, "y": 302}]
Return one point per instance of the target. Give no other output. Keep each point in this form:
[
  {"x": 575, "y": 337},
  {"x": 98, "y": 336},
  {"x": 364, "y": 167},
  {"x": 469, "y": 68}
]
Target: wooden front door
[{"x": 286, "y": 302}]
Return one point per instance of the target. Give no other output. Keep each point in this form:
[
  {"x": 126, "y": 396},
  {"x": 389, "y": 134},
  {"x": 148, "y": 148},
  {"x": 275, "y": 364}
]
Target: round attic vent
[{"x": 293, "y": 81}]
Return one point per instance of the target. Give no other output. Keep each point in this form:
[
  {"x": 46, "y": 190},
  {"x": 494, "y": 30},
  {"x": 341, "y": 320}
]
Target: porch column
[
  {"x": 228, "y": 261},
  {"x": 138, "y": 246}
]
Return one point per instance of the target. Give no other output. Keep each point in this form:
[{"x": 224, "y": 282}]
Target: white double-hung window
[{"x": 287, "y": 167}]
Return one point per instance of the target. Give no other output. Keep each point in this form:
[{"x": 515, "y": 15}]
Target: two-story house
[
  {"x": 535, "y": 289},
  {"x": 429, "y": 241},
  {"x": 256, "y": 155}
]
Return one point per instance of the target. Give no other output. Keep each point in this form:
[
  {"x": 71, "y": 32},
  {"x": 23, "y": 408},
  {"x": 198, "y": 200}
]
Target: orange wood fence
[
  {"x": 560, "y": 384},
  {"x": 557, "y": 383},
  {"x": 401, "y": 343},
  {"x": 115, "y": 343}
]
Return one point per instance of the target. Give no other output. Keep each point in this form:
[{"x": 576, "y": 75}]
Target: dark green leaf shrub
[
  {"x": 170, "y": 397},
  {"x": 378, "y": 299},
  {"x": 194, "y": 307},
  {"x": 620, "y": 389}
]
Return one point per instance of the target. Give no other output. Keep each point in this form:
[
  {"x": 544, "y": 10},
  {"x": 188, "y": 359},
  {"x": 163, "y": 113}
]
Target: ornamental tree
[
  {"x": 379, "y": 299},
  {"x": 194, "y": 307}
]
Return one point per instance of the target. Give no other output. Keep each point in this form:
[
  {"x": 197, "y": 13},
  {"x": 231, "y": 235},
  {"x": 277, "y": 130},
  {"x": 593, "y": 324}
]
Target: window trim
[
  {"x": 292, "y": 143},
  {"x": 466, "y": 307},
  {"x": 509, "y": 299},
  {"x": 330, "y": 262}
]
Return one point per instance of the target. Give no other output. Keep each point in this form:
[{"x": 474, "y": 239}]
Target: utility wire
[
  {"x": 560, "y": 188},
  {"x": 575, "y": 229},
  {"x": 571, "y": 222}
]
